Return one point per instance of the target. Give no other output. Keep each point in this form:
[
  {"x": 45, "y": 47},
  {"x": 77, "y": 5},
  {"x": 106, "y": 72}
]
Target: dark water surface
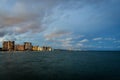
[{"x": 60, "y": 65}]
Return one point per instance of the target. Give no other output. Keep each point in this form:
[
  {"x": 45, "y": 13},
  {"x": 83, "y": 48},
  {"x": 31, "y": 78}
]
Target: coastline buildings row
[{"x": 27, "y": 46}]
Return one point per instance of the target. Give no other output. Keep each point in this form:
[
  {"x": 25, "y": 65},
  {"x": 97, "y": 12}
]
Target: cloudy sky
[{"x": 64, "y": 24}]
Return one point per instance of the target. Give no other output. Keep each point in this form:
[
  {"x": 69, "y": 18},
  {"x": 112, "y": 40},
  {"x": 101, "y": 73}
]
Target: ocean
[{"x": 60, "y": 65}]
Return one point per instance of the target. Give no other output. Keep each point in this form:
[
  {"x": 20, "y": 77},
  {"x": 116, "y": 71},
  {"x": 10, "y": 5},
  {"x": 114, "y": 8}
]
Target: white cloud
[
  {"x": 80, "y": 44},
  {"x": 84, "y": 40},
  {"x": 110, "y": 39},
  {"x": 117, "y": 41},
  {"x": 56, "y": 34},
  {"x": 97, "y": 39},
  {"x": 100, "y": 38},
  {"x": 79, "y": 36},
  {"x": 1, "y": 39},
  {"x": 67, "y": 43},
  {"x": 68, "y": 39}
]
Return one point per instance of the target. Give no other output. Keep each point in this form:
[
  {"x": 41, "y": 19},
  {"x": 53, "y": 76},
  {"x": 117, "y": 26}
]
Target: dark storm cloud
[
  {"x": 29, "y": 15},
  {"x": 20, "y": 23},
  {"x": 8, "y": 20},
  {"x": 34, "y": 27},
  {"x": 2, "y": 33}
]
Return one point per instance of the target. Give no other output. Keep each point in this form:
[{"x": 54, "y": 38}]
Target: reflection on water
[{"x": 60, "y": 65}]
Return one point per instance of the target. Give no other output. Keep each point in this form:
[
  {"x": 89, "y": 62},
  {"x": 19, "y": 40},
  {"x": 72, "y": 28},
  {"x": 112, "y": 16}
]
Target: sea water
[{"x": 60, "y": 65}]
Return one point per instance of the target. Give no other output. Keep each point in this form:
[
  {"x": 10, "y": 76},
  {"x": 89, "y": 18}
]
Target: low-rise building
[
  {"x": 40, "y": 48},
  {"x": 49, "y": 49},
  {"x": 8, "y": 45},
  {"x": 46, "y": 48},
  {"x": 35, "y": 48},
  {"x": 19, "y": 47},
  {"x": 28, "y": 46}
]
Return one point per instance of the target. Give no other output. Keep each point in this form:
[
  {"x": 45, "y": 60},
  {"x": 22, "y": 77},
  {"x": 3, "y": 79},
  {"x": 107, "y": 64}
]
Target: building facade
[
  {"x": 46, "y": 48},
  {"x": 28, "y": 46},
  {"x": 8, "y": 45},
  {"x": 40, "y": 48},
  {"x": 19, "y": 47},
  {"x": 35, "y": 48}
]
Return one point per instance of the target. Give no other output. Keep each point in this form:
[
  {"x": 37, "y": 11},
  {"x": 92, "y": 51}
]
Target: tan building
[
  {"x": 28, "y": 45},
  {"x": 5, "y": 46},
  {"x": 8, "y": 45},
  {"x": 19, "y": 47},
  {"x": 35, "y": 48},
  {"x": 46, "y": 48},
  {"x": 40, "y": 48},
  {"x": 49, "y": 49}
]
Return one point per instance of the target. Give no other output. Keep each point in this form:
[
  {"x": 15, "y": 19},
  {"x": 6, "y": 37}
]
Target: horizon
[{"x": 61, "y": 24}]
